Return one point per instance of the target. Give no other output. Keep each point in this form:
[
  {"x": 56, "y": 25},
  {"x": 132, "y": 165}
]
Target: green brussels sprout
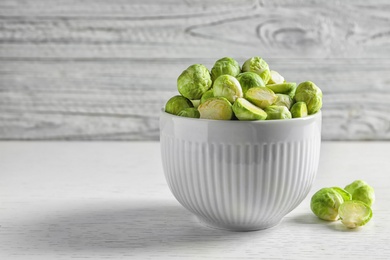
[
  {"x": 283, "y": 100},
  {"x": 355, "y": 213},
  {"x": 195, "y": 102},
  {"x": 228, "y": 87},
  {"x": 177, "y": 103},
  {"x": 245, "y": 110},
  {"x": 282, "y": 88},
  {"x": 361, "y": 191},
  {"x": 325, "y": 204},
  {"x": 345, "y": 194},
  {"x": 309, "y": 93},
  {"x": 277, "y": 112},
  {"x": 249, "y": 80},
  {"x": 258, "y": 66},
  {"x": 189, "y": 112},
  {"x": 291, "y": 93},
  {"x": 260, "y": 96},
  {"x": 299, "y": 109},
  {"x": 208, "y": 94},
  {"x": 275, "y": 78},
  {"x": 225, "y": 66},
  {"x": 194, "y": 81},
  {"x": 218, "y": 108}
]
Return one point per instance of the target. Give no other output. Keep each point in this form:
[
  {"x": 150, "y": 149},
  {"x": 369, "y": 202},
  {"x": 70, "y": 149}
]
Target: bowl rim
[{"x": 265, "y": 122}]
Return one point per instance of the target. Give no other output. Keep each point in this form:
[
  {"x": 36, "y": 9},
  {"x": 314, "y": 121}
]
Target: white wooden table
[{"x": 75, "y": 200}]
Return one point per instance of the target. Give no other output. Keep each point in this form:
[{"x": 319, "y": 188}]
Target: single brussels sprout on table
[
  {"x": 258, "y": 66},
  {"x": 277, "y": 112},
  {"x": 325, "y": 204},
  {"x": 309, "y": 93},
  {"x": 283, "y": 100},
  {"x": 218, "y": 108},
  {"x": 361, "y": 191},
  {"x": 249, "y": 80},
  {"x": 245, "y": 110},
  {"x": 275, "y": 78},
  {"x": 355, "y": 213},
  {"x": 299, "y": 109},
  {"x": 225, "y": 66},
  {"x": 260, "y": 96},
  {"x": 176, "y": 104},
  {"x": 228, "y": 87},
  {"x": 194, "y": 81},
  {"x": 189, "y": 112}
]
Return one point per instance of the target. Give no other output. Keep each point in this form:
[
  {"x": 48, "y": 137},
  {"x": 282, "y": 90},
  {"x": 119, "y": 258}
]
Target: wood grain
[{"x": 101, "y": 70}]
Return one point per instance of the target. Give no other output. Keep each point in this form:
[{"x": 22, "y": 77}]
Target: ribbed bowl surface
[{"x": 240, "y": 175}]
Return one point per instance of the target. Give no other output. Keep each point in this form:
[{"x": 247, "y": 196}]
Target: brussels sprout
[
  {"x": 176, "y": 104},
  {"x": 299, "y": 109},
  {"x": 283, "y": 100},
  {"x": 194, "y": 81},
  {"x": 275, "y": 78},
  {"x": 245, "y": 110},
  {"x": 282, "y": 88},
  {"x": 218, "y": 108},
  {"x": 195, "y": 102},
  {"x": 325, "y": 204},
  {"x": 360, "y": 190},
  {"x": 208, "y": 94},
  {"x": 277, "y": 112},
  {"x": 309, "y": 93},
  {"x": 260, "y": 96},
  {"x": 225, "y": 66},
  {"x": 258, "y": 66},
  {"x": 354, "y": 213},
  {"x": 249, "y": 80},
  {"x": 345, "y": 194},
  {"x": 228, "y": 87},
  {"x": 189, "y": 112}
]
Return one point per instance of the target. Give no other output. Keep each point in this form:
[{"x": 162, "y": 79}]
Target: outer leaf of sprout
[{"x": 345, "y": 194}]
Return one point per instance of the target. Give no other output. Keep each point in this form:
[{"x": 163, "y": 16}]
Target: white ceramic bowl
[{"x": 240, "y": 175}]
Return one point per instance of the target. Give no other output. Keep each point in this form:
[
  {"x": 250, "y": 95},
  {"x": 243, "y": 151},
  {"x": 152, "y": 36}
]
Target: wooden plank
[
  {"x": 120, "y": 100},
  {"x": 274, "y": 30},
  {"x": 100, "y": 69}
]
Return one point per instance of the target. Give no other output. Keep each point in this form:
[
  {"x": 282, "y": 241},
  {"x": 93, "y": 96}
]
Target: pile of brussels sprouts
[
  {"x": 351, "y": 205},
  {"x": 253, "y": 92}
]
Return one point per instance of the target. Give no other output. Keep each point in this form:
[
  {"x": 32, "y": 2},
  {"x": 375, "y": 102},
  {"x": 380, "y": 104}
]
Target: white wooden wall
[{"x": 101, "y": 70}]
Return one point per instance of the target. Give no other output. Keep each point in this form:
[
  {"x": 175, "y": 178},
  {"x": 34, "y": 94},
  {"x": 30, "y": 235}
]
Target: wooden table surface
[{"x": 109, "y": 200}]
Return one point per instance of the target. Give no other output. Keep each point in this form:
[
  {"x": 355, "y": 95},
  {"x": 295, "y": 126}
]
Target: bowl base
[{"x": 237, "y": 227}]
